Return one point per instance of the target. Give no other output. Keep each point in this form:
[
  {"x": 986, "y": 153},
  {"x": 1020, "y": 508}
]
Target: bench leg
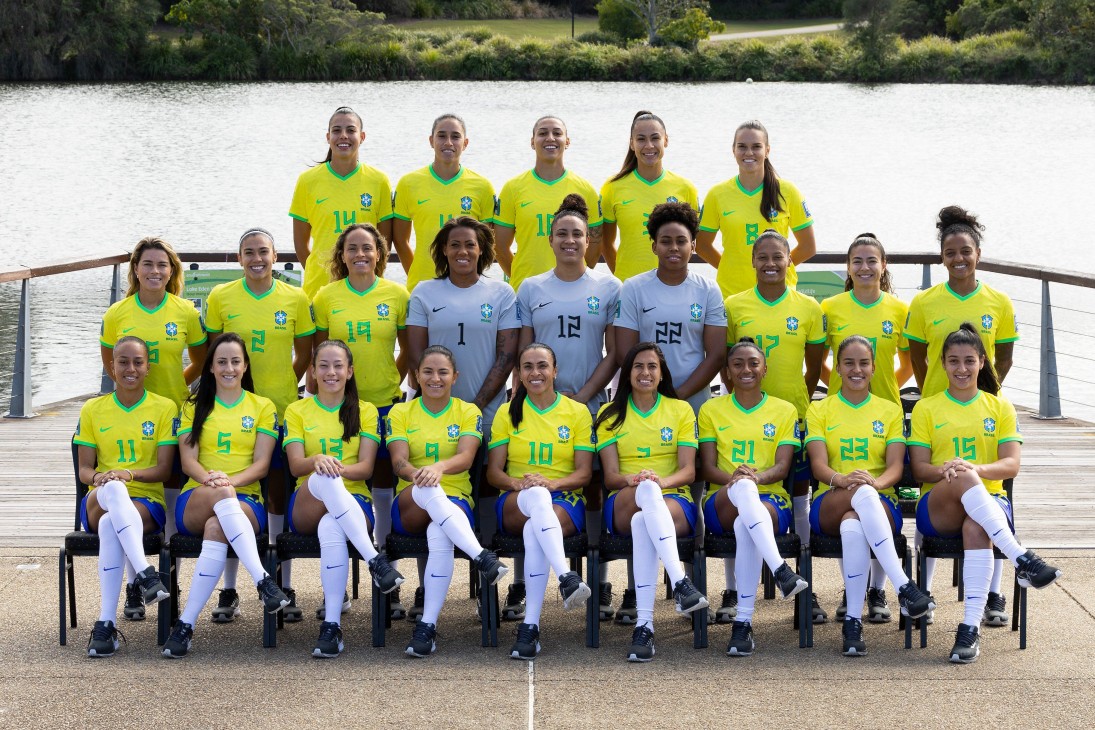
[{"x": 62, "y": 618}]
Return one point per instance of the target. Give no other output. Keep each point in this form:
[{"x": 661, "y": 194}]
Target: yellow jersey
[
  {"x": 735, "y": 212},
  {"x": 167, "y": 329},
  {"x": 318, "y": 429},
  {"x": 128, "y": 438},
  {"x": 269, "y": 323},
  {"x": 782, "y": 329},
  {"x": 972, "y": 431},
  {"x": 368, "y": 322},
  {"x": 427, "y": 201},
  {"x": 228, "y": 437},
  {"x": 855, "y": 437},
  {"x": 433, "y": 437},
  {"x": 330, "y": 203},
  {"x": 627, "y": 203},
  {"x": 749, "y": 436},
  {"x": 545, "y": 441},
  {"x": 882, "y": 322},
  {"x": 938, "y": 311},
  {"x": 527, "y": 204},
  {"x": 650, "y": 440}
]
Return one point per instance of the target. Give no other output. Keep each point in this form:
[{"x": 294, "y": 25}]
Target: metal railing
[{"x": 1049, "y": 398}]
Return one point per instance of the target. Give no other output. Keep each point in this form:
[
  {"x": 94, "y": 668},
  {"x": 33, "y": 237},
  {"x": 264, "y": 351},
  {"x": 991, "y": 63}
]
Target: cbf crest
[
  {"x": 452, "y": 430},
  {"x": 667, "y": 435},
  {"x": 887, "y": 327},
  {"x": 564, "y": 434},
  {"x": 247, "y": 422},
  {"x": 383, "y": 310},
  {"x": 280, "y": 318},
  {"x": 465, "y": 204},
  {"x": 486, "y": 311},
  {"x": 878, "y": 427},
  {"x": 769, "y": 430},
  {"x": 594, "y": 305},
  {"x": 986, "y": 321},
  {"x": 792, "y": 324},
  {"x": 990, "y": 425},
  {"x": 366, "y": 201},
  {"x": 171, "y": 329},
  {"x": 148, "y": 429},
  {"x": 696, "y": 311}
]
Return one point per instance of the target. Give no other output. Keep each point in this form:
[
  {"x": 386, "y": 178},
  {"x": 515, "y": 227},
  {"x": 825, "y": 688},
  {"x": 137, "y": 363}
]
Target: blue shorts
[
  {"x": 382, "y": 450},
  {"x": 784, "y": 514},
  {"x": 574, "y": 503},
  {"x": 888, "y": 501},
  {"x": 397, "y": 519},
  {"x": 159, "y": 516},
  {"x": 924, "y": 523},
  {"x": 278, "y": 459},
  {"x": 690, "y": 511},
  {"x": 363, "y": 500},
  {"x": 255, "y": 505}
]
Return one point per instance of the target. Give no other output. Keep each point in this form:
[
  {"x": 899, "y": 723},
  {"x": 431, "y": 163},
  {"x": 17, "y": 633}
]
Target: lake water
[{"x": 89, "y": 170}]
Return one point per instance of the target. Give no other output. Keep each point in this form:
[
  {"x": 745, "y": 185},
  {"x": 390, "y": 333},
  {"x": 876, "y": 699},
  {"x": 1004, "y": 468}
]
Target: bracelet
[
  {"x": 132, "y": 478},
  {"x": 831, "y": 480}
]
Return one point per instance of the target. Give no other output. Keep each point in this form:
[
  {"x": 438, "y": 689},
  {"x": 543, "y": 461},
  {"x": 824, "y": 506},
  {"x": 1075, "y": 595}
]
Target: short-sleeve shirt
[
  {"x": 938, "y": 311},
  {"x": 735, "y": 212},
  {"x": 427, "y": 201},
  {"x": 329, "y": 203},
  {"x": 527, "y": 204},
  {"x": 467, "y": 321},
  {"x": 433, "y": 437},
  {"x": 972, "y": 431},
  {"x": 268, "y": 323},
  {"x": 882, "y": 322},
  {"x": 749, "y": 435},
  {"x": 571, "y": 317},
  {"x": 545, "y": 441},
  {"x": 167, "y": 329},
  {"x": 782, "y": 329},
  {"x": 318, "y": 428},
  {"x": 627, "y": 202},
  {"x": 673, "y": 317},
  {"x": 228, "y": 437},
  {"x": 650, "y": 440},
  {"x": 368, "y": 322},
  {"x": 129, "y": 438},
  {"x": 855, "y": 436}
]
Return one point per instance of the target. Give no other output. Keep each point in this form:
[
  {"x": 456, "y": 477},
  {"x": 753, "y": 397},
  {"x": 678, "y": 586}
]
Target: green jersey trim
[
  {"x": 133, "y": 407},
  {"x": 743, "y": 409},
  {"x": 915, "y": 339},
  {"x": 504, "y": 225},
  {"x": 300, "y": 218},
  {"x": 268, "y": 432},
  {"x": 286, "y": 443},
  {"x": 305, "y": 334},
  {"x": 158, "y": 307},
  {"x": 499, "y": 442},
  {"x": 550, "y": 182},
  {"x": 958, "y": 296},
  {"x": 340, "y": 177},
  {"x": 649, "y": 183},
  {"x": 709, "y": 230},
  {"x": 333, "y": 409},
  {"x": 230, "y": 405},
  {"x": 451, "y": 180},
  {"x": 657, "y": 402},
  {"x": 431, "y": 414},
  {"x": 554, "y": 403},
  {"x": 851, "y": 405},
  {"x": 784, "y": 295},
  {"x": 400, "y": 217},
  {"x": 918, "y": 443},
  {"x": 1007, "y": 340},
  {"x": 952, "y": 399},
  {"x": 268, "y": 292},
  {"x": 368, "y": 435},
  {"x": 376, "y": 280},
  {"x": 807, "y": 224},
  {"x": 1006, "y": 439},
  {"x": 863, "y": 304},
  {"x": 750, "y": 193}
]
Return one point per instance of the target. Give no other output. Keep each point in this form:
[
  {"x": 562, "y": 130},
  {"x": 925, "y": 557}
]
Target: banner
[{"x": 197, "y": 283}]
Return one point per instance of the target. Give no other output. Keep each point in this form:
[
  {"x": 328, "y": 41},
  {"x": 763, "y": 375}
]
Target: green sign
[
  {"x": 197, "y": 283},
  {"x": 820, "y": 284}
]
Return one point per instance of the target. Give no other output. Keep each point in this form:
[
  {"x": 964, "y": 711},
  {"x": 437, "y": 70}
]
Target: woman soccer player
[
  {"x": 433, "y": 440},
  {"x": 335, "y": 195},
  {"x": 629, "y": 197},
  {"x": 856, "y": 444},
  {"x": 275, "y": 321},
  {"x": 646, "y": 437},
  {"x": 126, "y": 443},
  {"x": 229, "y": 437},
  {"x": 528, "y": 202},
  {"x": 964, "y": 443},
  {"x": 331, "y": 443},
  {"x": 543, "y": 452},
  {"x": 747, "y": 441},
  {"x": 425, "y": 199},
  {"x": 790, "y": 328},
  {"x": 745, "y": 206}
]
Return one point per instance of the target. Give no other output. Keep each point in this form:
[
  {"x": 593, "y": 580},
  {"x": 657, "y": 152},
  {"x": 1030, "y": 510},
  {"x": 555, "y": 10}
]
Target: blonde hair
[{"x": 148, "y": 243}]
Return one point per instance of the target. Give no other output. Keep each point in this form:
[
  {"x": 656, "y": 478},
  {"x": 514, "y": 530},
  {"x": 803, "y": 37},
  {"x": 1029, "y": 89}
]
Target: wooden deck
[{"x": 1054, "y": 494}]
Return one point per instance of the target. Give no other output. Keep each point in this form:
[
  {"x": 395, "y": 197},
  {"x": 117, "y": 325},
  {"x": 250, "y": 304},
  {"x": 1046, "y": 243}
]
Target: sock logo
[
  {"x": 854, "y": 576},
  {"x": 545, "y": 529},
  {"x": 660, "y": 539},
  {"x": 207, "y": 575},
  {"x": 234, "y": 538},
  {"x": 536, "y": 575},
  {"x": 435, "y": 575},
  {"x": 745, "y": 596},
  {"x": 339, "y": 517},
  {"x": 645, "y": 586},
  {"x": 445, "y": 520},
  {"x": 755, "y": 524},
  {"x": 881, "y": 541},
  {"x": 128, "y": 526},
  {"x": 114, "y": 568},
  {"x": 332, "y": 567}
]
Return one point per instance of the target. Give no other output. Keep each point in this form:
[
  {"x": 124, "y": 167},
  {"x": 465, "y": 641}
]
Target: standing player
[
  {"x": 744, "y": 206},
  {"x": 126, "y": 443},
  {"x": 965, "y": 441},
  {"x": 334, "y": 195},
  {"x": 425, "y": 199},
  {"x": 543, "y": 452},
  {"x": 274, "y": 320},
  {"x": 647, "y": 441},
  {"x": 629, "y": 197},
  {"x": 528, "y": 202}
]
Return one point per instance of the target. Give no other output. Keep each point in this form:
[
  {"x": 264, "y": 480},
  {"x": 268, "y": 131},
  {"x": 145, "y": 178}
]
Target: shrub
[
  {"x": 614, "y": 17},
  {"x": 695, "y": 26}
]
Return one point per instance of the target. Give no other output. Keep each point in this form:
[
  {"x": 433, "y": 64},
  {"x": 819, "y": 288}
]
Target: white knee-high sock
[
  {"x": 439, "y": 567},
  {"x": 602, "y": 573},
  {"x": 976, "y": 576},
  {"x": 878, "y": 575},
  {"x": 207, "y": 573},
  {"x": 231, "y": 571},
  {"x": 382, "y": 511},
  {"x": 334, "y": 566},
  {"x": 114, "y": 498},
  {"x": 747, "y": 566},
  {"x": 997, "y": 575},
  {"x": 745, "y": 496},
  {"x": 111, "y": 570},
  {"x": 275, "y": 525},
  {"x": 536, "y": 574},
  {"x": 646, "y": 569},
  {"x": 728, "y": 573},
  {"x": 130, "y": 572},
  {"x": 448, "y": 517},
  {"x": 343, "y": 507},
  {"x": 876, "y": 529},
  {"x": 857, "y": 563},
  {"x": 985, "y": 511},
  {"x": 535, "y": 503},
  {"x": 241, "y": 536},
  {"x": 801, "y": 507},
  {"x": 660, "y": 527}
]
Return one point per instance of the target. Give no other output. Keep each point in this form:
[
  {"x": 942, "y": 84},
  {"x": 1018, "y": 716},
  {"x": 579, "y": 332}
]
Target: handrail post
[
  {"x": 926, "y": 277},
  {"x": 21, "y": 392},
  {"x": 106, "y": 385},
  {"x": 1049, "y": 396}
]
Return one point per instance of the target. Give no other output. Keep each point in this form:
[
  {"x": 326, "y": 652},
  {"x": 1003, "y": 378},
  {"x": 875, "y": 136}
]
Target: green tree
[
  {"x": 870, "y": 34},
  {"x": 649, "y": 15},
  {"x": 695, "y": 26},
  {"x": 1067, "y": 27}
]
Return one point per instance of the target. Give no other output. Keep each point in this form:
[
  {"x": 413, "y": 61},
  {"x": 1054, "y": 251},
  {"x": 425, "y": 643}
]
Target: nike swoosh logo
[
  {"x": 742, "y": 595},
  {"x": 830, "y": 428},
  {"x": 723, "y": 428},
  {"x": 336, "y": 311},
  {"x": 651, "y": 309},
  {"x": 755, "y": 524},
  {"x": 997, "y": 532},
  {"x": 438, "y": 309},
  {"x": 116, "y": 567},
  {"x": 625, "y": 202},
  {"x": 545, "y": 529},
  {"x": 728, "y": 212},
  {"x": 234, "y": 538},
  {"x": 523, "y": 205},
  {"x": 881, "y": 541},
  {"x": 442, "y": 525},
  {"x": 941, "y": 425},
  {"x": 842, "y": 328},
  {"x": 435, "y": 575},
  {"x": 232, "y": 316},
  {"x": 310, "y": 428},
  {"x": 662, "y": 539},
  {"x": 425, "y": 200},
  {"x": 332, "y": 567},
  {"x": 646, "y": 586},
  {"x": 104, "y": 430},
  {"x": 746, "y": 322},
  {"x": 320, "y": 201},
  {"x": 541, "y": 306},
  {"x": 937, "y": 321},
  {"x": 859, "y": 574},
  {"x": 339, "y": 517},
  {"x": 124, "y": 529},
  {"x": 536, "y": 575},
  {"x": 413, "y": 430},
  {"x": 128, "y": 329}
]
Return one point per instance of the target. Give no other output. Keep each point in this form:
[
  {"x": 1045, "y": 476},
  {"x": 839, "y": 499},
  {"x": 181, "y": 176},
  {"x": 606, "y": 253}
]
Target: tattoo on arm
[{"x": 505, "y": 348}]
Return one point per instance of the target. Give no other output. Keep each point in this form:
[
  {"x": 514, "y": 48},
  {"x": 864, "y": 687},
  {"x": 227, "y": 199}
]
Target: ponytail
[
  {"x": 771, "y": 197},
  {"x": 517, "y": 403},
  {"x": 342, "y": 110},
  {"x": 349, "y": 414},
  {"x": 966, "y": 334}
]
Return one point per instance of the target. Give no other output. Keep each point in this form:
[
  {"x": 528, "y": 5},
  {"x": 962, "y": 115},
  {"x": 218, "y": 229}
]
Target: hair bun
[
  {"x": 574, "y": 202},
  {"x": 956, "y": 215},
  {"x": 747, "y": 340}
]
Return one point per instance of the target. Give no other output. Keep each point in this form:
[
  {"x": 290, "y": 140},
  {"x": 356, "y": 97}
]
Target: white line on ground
[{"x": 531, "y": 693}]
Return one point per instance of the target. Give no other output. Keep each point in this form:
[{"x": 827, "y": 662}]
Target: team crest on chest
[
  {"x": 667, "y": 435},
  {"x": 366, "y": 201},
  {"x": 769, "y": 430},
  {"x": 465, "y": 204},
  {"x": 452, "y": 430},
  {"x": 247, "y": 422},
  {"x": 280, "y": 318},
  {"x": 792, "y": 324},
  {"x": 887, "y": 327},
  {"x": 148, "y": 429},
  {"x": 594, "y": 305},
  {"x": 564, "y": 434},
  {"x": 486, "y": 311},
  {"x": 383, "y": 310},
  {"x": 172, "y": 329},
  {"x": 990, "y": 425},
  {"x": 986, "y": 321},
  {"x": 878, "y": 427},
  {"x": 696, "y": 311}
]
